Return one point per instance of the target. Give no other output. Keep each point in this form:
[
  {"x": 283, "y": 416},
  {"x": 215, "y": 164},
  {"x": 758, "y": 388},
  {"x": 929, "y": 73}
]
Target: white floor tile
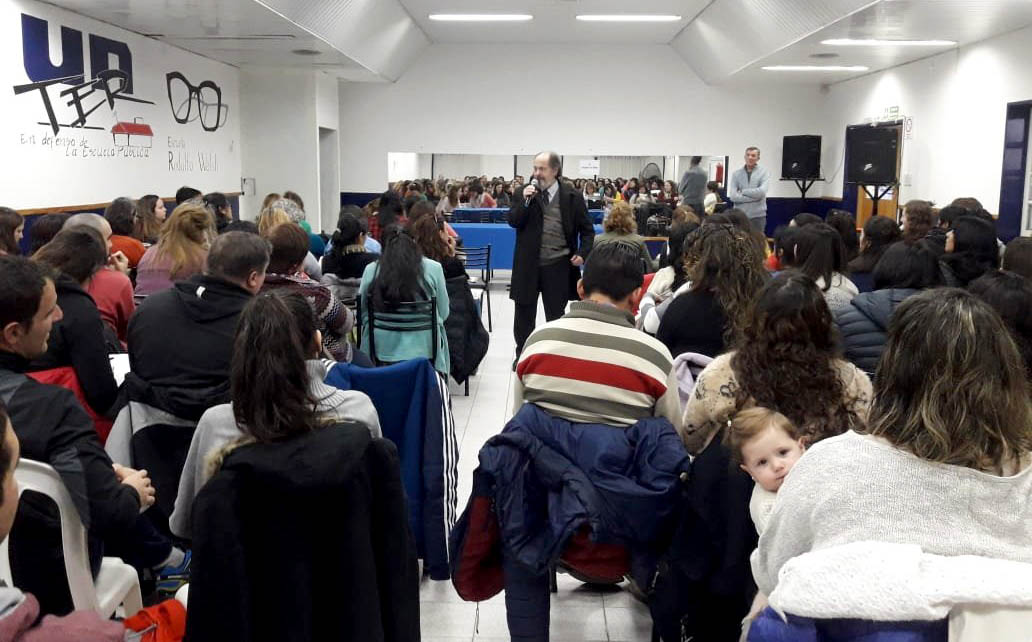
[
  {"x": 567, "y": 622},
  {"x": 629, "y": 623},
  {"x": 447, "y": 619}
]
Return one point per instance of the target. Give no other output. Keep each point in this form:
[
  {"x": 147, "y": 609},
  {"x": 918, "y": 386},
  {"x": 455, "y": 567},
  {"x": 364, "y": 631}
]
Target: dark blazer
[{"x": 529, "y": 224}]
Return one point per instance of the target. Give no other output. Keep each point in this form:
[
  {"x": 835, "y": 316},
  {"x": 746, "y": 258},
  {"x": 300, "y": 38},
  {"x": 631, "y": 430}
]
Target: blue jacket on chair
[
  {"x": 548, "y": 477},
  {"x": 415, "y": 413}
]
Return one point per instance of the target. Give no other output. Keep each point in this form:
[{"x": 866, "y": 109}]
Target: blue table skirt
[
  {"x": 501, "y": 238},
  {"x": 497, "y": 215}
]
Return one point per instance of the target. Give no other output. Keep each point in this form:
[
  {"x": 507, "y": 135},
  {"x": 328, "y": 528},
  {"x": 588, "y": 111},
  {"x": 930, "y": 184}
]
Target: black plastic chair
[
  {"x": 408, "y": 316},
  {"x": 478, "y": 259}
]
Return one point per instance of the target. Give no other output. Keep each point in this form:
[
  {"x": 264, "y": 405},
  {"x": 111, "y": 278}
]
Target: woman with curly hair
[
  {"x": 725, "y": 274},
  {"x": 620, "y": 226},
  {"x": 787, "y": 361}
]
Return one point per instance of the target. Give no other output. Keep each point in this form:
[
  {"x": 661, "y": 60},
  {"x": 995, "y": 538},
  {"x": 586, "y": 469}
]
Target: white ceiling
[
  {"x": 722, "y": 40},
  {"x": 554, "y": 21},
  {"x": 243, "y": 33},
  {"x": 963, "y": 21}
]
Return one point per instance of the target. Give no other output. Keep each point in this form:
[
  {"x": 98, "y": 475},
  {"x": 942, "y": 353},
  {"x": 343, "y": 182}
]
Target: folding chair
[
  {"x": 116, "y": 584},
  {"x": 478, "y": 259},
  {"x": 408, "y": 316}
]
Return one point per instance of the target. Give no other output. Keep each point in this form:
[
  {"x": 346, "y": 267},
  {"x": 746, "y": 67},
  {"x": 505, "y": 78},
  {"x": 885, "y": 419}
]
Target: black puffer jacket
[
  {"x": 863, "y": 325},
  {"x": 467, "y": 337}
]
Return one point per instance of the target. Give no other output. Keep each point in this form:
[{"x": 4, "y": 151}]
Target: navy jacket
[
  {"x": 549, "y": 477},
  {"x": 863, "y": 325},
  {"x": 415, "y": 414}
]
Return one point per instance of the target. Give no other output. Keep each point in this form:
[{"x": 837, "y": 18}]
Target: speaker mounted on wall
[
  {"x": 873, "y": 155},
  {"x": 801, "y": 158}
]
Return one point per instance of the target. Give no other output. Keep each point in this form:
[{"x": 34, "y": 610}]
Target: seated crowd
[{"x": 873, "y": 389}]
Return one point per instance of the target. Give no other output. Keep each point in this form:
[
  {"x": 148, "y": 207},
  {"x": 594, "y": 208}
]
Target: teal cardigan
[{"x": 401, "y": 346}]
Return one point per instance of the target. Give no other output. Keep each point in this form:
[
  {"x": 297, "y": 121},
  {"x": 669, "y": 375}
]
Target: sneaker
[{"x": 172, "y": 578}]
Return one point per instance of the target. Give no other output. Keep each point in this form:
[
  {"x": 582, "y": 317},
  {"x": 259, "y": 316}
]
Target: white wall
[
  {"x": 94, "y": 164},
  {"x": 281, "y": 150},
  {"x": 957, "y": 102},
  {"x": 327, "y": 107},
  {"x": 481, "y": 111}
]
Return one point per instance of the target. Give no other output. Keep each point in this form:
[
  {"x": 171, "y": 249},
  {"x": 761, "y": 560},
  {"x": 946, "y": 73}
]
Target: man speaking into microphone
[{"x": 553, "y": 237}]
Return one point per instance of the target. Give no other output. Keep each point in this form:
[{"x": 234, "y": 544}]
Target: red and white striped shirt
[{"x": 593, "y": 366}]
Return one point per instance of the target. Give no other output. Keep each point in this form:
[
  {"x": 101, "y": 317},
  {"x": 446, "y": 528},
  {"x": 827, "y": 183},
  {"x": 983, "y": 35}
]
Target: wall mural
[{"x": 87, "y": 99}]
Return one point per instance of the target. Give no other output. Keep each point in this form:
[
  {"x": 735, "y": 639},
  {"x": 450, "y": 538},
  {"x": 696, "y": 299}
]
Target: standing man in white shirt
[{"x": 748, "y": 189}]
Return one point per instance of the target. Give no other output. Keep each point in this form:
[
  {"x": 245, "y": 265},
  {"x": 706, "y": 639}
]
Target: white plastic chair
[{"x": 116, "y": 584}]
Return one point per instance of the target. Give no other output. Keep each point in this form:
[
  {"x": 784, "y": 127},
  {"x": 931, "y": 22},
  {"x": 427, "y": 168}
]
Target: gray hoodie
[{"x": 218, "y": 429}]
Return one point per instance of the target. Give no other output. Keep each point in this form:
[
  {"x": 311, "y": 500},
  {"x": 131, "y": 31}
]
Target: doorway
[
  {"x": 888, "y": 205},
  {"x": 329, "y": 180}
]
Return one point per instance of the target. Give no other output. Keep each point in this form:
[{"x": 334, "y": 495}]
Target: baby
[{"x": 766, "y": 445}]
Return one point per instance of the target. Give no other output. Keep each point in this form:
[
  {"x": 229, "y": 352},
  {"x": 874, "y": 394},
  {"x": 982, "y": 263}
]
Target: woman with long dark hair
[
  {"x": 878, "y": 234},
  {"x": 667, "y": 280},
  {"x": 449, "y": 201},
  {"x": 150, "y": 216},
  {"x": 276, "y": 378},
  {"x": 435, "y": 242},
  {"x": 939, "y": 474},
  {"x": 12, "y": 226},
  {"x": 81, "y": 339},
  {"x": 725, "y": 274},
  {"x": 971, "y": 251},
  {"x": 787, "y": 361},
  {"x": 390, "y": 211},
  {"x": 818, "y": 253},
  {"x": 401, "y": 275},
  {"x": 845, "y": 225}
]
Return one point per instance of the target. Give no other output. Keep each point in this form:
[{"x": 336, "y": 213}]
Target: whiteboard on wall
[{"x": 128, "y": 115}]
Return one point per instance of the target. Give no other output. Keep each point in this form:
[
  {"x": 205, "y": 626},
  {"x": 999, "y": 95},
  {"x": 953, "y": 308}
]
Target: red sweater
[{"x": 113, "y": 293}]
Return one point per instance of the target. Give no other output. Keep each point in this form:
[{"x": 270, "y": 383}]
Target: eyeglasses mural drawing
[{"x": 207, "y": 96}]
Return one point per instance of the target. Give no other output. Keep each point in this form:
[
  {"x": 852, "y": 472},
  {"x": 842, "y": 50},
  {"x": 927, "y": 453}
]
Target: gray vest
[{"x": 553, "y": 240}]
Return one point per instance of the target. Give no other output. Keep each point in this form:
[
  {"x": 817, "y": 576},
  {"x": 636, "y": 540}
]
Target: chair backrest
[
  {"x": 41, "y": 478},
  {"x": 477, "y": 258},
  {"x": 407, "y": 316}
]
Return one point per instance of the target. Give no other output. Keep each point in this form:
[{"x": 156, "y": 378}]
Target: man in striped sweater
[{"x": 592, "y": 365}]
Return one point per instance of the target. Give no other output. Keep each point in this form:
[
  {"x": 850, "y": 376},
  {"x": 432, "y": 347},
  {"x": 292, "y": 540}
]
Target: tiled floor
[{"x": 578, "y": 614}]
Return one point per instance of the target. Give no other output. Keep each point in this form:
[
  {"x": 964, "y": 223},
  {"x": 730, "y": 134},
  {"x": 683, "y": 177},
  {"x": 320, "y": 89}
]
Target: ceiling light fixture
[
  {"x": 873, "y": 42},
  {"x": 815, "y": 68},
  {"x": 481, "y": 17},
  {"x": 630, "y": 17}
]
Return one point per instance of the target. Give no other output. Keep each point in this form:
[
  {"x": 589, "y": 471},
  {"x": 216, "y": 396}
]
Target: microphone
[{"x": 537, "y": 185}]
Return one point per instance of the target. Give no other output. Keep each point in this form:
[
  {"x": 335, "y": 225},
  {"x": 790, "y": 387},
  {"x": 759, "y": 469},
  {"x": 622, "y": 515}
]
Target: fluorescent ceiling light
[
  {"x": 850, "y": 42},
  {"x": 631, "y": 17},
  {"x": 481, "y": 17},
  {"x": 815, "y": 68}
]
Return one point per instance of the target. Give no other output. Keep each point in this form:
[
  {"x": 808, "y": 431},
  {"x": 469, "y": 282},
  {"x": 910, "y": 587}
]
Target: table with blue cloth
[
  {"x": 501, "y": 238},
  {"x": 497, "y": 215}
]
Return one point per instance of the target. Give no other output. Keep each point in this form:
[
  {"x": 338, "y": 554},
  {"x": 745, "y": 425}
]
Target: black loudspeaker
[
  {"x": 801, "y": 157},
  {"x": 873, "y": 154}
]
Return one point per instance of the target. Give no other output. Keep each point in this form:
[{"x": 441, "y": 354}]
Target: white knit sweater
[{"x": 856, "y": 488}]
